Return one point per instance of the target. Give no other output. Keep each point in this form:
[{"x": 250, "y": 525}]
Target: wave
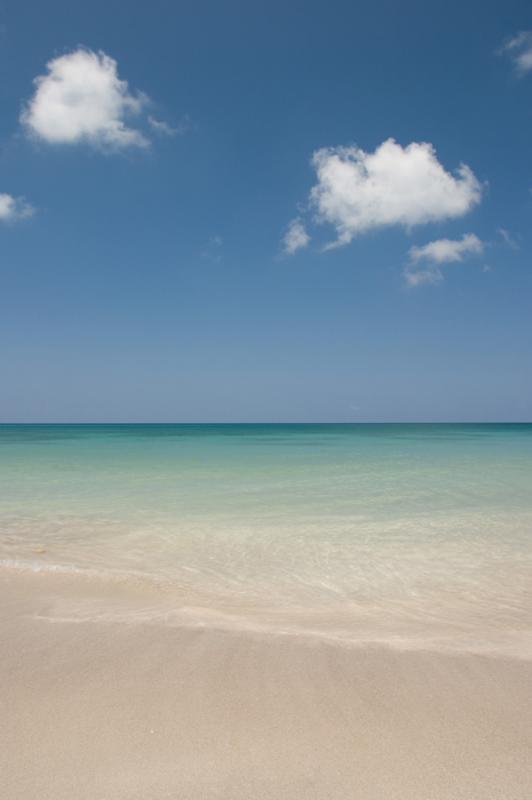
[{"x": 170, "y": 607}]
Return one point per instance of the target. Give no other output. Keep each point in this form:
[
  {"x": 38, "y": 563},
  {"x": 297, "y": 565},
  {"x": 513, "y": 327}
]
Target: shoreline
[
  {"x": 68, "y": 593},
  {"x": 136, "y": 711}
]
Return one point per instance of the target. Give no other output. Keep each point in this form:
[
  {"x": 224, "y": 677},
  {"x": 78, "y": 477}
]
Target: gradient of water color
[{"x": 414, "y": 535}]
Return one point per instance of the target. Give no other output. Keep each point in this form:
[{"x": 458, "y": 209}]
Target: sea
[{"x": 405, "y": 535}]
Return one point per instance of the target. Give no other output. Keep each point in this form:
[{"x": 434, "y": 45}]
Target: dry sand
[{"x": 109, "y": 711}]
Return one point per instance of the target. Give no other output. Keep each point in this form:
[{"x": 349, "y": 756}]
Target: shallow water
[{"x": 416, "y": 535}]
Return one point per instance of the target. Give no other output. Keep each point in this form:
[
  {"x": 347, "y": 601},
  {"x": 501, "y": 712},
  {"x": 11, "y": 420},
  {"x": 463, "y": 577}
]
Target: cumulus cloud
[
  {"x": 519, "y": 47},
  {"x": 425, "y": 261},
  {"x": 358, "y": 191},
  {"x": 14, "y": 208},
  {"x": 296, "y": 237},
  {"x": 82, "y": 99}
]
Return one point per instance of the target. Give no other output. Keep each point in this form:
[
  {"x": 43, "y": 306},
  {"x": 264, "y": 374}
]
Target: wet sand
[{"x": 95, "y": 710}]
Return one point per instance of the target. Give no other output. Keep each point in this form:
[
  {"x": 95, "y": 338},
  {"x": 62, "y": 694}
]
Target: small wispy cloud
[
  {"x": 164, "y": 129},
  {"x": 14, "y": 208},
  {"x": 442, "y": 251},
  {"x": 212, "y": 249},
  {"x": 425, "y": 261},
  {"x": 508, "y": 239},
  {"x": 418, "y": 277},
  {"x": 519, "y": 48},
  {"x": 296, "y": 237}
]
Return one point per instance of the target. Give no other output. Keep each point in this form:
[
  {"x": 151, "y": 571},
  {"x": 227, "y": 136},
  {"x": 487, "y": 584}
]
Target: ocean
[{"x": 410, "y": 535}]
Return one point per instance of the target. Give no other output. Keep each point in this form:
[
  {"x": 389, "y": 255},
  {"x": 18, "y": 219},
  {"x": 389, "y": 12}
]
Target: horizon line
[{"x": 277, "y": 422}]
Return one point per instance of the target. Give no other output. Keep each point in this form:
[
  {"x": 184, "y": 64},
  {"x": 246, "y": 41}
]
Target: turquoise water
[{"x": 409, "y": 534}]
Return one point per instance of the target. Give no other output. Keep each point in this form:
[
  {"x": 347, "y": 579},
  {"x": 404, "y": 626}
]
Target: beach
[
  {"x": 266, "y": 612},
  {"x": 123, "y": 711},
  {"x": 266, "y": 400}
]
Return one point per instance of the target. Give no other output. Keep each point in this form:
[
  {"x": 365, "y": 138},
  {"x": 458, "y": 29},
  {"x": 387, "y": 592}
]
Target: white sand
[{"x": 109, "y": 711}]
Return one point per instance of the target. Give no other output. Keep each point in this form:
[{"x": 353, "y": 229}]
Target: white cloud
[
  {"x": 14, "y": 208},
  {"x": 82, "y": 99},
  {"x": 358, "y": 191},
  {"x": 425, "y": 261},
  {"x": 520, "y": 49},
  {"x": 508, "y": 239},
  {"x": 443, "y": 251},
  {"x": 213, "y": 248},
  {"x": 296, "y": 237},
  {"x": 160, "y": 126},
  {"x": 164, "y": 129},
  {"x": 417, "y": 277}
]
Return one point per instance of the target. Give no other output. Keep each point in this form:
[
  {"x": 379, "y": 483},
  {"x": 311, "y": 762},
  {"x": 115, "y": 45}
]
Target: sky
[{"x": 250, "y": 211}]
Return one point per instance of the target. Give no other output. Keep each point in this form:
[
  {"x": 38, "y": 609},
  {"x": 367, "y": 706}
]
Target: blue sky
[{"x": 145, "y": 271}]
